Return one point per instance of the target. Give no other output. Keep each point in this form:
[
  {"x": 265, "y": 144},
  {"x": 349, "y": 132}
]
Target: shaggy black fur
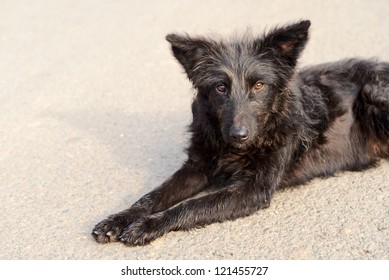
[{"x": 258, "y": 125}]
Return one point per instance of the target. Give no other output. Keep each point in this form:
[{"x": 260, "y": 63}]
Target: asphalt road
[{"x": 93, "y": 114}]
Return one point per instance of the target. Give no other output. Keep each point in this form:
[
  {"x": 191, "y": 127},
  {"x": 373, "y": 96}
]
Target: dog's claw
[
  {"x": 143, "y": 231},
  {"x": 108, "y": 231}
]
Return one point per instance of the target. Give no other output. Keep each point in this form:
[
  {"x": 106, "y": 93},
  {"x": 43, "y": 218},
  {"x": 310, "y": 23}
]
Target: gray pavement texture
[{"x": 94, "y": 111}]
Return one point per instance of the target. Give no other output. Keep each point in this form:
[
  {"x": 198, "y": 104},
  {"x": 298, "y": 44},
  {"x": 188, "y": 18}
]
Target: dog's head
[{"x": 243, "y": 82}]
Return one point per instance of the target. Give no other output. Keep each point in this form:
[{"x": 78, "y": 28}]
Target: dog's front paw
[
  {"x": 144, "y": 230},
  {"x": 111, "y": 228}
]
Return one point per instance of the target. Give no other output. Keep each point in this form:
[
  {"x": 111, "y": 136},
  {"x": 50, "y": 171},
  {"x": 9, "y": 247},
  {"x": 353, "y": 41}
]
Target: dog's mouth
[{"x": 240, "y": 145}]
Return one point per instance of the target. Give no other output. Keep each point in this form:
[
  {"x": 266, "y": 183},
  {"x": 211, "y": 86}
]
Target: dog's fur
[{"x": 259, "y": 125}]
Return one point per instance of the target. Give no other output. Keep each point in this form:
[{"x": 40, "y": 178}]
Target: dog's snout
[{"x": 239, "y": 134}]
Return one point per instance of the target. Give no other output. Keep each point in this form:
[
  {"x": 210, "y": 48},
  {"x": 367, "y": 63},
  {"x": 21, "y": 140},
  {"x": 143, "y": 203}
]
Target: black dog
[{"x": 259, "y": 125}]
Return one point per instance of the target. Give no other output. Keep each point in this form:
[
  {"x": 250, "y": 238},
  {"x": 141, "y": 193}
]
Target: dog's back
[{"x": 350, "y": 99}]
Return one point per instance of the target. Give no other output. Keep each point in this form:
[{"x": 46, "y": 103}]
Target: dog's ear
[
  {"x": 188, "y": 51},
  {"x": 287, "y": 42}
]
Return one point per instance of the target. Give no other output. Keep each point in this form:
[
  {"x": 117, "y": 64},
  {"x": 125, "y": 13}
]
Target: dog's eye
[
  {"x": 221, "y": 88},
  {"x": 259, "y": 86}
]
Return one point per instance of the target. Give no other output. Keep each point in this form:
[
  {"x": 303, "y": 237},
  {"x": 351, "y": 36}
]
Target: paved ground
[{"x": 93, "y": 115}]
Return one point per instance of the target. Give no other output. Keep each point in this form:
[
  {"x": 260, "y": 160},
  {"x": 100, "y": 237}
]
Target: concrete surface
[{"x": 93, "y": 113}]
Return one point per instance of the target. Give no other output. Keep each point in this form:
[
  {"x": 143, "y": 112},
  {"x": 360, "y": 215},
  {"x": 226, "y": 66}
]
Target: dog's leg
[
  {"x": 237, "y": 200},
  {"x": 374, "y": 117},
  {"x": 186, "y": 182},
  {"x": 376, "y": 98}
]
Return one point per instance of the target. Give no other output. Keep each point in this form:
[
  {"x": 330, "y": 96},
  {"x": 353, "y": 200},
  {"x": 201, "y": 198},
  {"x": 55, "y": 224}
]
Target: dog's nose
[{"x": 239, "y": 134}]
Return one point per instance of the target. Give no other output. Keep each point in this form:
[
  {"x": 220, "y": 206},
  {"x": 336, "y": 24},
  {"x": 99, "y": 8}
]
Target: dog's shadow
[{"x": 152, "y": 143}]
